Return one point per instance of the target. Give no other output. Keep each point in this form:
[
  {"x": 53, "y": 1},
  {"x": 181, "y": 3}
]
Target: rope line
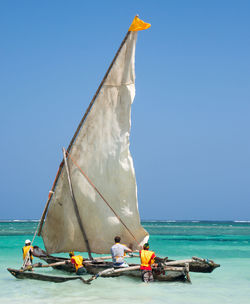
[{"x": 51, "y": 192}]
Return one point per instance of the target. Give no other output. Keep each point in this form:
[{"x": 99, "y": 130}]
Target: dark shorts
[
  {"x": 147, "y": 276},
  {"x": 81, "y": 271}
]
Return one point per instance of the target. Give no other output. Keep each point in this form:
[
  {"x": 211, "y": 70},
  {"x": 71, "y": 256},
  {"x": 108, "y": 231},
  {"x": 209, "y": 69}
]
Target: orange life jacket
[
  {"x": 77, "y": 261},
  {"x": 146, "y": 256},
  {"x": 26, "y": 252}
]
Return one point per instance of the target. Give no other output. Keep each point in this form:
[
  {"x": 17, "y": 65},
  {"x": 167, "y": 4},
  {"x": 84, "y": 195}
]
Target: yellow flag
[{"x": 138, "y": 25}]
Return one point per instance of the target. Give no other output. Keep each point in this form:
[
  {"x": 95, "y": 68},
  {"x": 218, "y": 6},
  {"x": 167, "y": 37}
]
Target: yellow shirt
[
  {"x": 26, "y": 251},
  {"x": 77, "y": 261},
  {"x": 147, "y": 259}
]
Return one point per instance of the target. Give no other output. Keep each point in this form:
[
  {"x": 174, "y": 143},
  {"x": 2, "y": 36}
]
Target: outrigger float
[{"x": 94, "y": 195}]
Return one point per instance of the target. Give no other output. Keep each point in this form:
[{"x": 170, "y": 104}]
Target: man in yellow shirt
[
  {"x": 147, "y": 259},
  {"x": 77, "y": 261},
  {"x": 27, "y": 254}
]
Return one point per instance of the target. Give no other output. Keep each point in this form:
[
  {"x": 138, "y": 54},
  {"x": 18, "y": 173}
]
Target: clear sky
[{"x": 190, "y": 118}]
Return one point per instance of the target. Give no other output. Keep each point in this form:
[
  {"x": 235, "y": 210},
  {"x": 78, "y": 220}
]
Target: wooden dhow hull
[
  {"x": 19, "y": 274},
  {"x": 168, "y": 276},
  {"x": 195, "y": 266},
  {"x": 96, "y": 266}
]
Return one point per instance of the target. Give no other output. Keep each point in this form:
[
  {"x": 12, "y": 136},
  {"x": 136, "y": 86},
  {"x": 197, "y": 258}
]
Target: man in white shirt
[{"x": 117, "y": 252}]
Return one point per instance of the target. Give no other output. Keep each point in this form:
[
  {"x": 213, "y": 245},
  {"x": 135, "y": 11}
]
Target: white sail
[{"x": 101, "y": 150}]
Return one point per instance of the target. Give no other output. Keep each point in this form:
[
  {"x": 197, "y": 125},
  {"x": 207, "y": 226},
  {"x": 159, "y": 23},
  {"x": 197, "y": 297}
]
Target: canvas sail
[{"x": 101, "y": 150}]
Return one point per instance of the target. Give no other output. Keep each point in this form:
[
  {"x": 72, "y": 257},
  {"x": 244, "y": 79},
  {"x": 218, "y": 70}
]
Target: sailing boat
[{"x": 94, "y": 195}]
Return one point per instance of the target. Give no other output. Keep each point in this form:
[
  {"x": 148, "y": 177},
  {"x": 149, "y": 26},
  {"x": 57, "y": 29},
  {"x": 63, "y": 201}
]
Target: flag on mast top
[{"x": 138, "y": 25}]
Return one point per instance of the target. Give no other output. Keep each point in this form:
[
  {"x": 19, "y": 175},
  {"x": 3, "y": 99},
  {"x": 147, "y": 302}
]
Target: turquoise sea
[{"x": 227, "y": 243}]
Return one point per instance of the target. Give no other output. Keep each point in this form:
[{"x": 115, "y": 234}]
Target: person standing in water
[
  {"x": 76, "y": 260},
  {"x": 147, "y": 259},
  {"x": 27, "y": 254}
]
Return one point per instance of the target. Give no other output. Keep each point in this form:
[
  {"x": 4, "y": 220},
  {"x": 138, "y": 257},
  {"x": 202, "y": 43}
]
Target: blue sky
[{"x": 190, "y": 118}]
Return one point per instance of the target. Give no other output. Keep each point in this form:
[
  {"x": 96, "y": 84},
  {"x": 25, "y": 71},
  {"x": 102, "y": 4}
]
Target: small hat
[{"x": 27, "y": 242}]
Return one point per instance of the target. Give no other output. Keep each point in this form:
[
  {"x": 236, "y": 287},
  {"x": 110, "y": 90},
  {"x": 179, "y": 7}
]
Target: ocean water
[{"x": 227, "y": 243}]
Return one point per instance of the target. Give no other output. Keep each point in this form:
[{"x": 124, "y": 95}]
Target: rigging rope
[{"x": 94, "y": 187}]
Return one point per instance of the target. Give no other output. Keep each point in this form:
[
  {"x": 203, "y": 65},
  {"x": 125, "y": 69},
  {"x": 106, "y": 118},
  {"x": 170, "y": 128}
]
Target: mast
[
  {"x": 77, "y": 131},
  {"x": 76, "y": 207}
]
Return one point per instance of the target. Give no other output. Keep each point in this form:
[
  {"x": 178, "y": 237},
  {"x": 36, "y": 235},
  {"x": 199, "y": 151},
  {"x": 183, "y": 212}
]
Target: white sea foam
[
  {"x": 23, "y": 221},
  {"x": 158, "y": 221}
]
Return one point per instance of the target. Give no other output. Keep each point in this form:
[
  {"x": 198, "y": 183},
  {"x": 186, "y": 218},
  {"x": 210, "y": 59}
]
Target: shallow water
[{"x": 227, "y": 243}]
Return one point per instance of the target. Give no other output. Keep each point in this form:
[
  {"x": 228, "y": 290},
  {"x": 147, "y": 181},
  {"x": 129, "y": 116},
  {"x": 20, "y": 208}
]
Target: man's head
[
  {"x": 71, "y": 253},
  {"x": 146, "y": 246},
  {"x": 117, "y": 239},
  {"x": 27, "y": 242}
]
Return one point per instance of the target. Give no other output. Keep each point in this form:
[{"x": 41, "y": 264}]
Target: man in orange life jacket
[
  {"x": 77, "y": 261},
  {"x": 27, "y": 254},
  {"x": 147, "y": 259}
]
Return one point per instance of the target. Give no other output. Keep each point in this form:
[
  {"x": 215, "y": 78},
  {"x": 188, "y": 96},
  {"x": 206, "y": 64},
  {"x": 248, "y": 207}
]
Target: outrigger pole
[
  {"x": 76, "y": 133},
  {"x": 76, "y": 207}
]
